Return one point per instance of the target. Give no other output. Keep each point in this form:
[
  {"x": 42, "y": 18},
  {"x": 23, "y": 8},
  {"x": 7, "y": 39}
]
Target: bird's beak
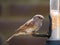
[{"x": 44, "y": 19}]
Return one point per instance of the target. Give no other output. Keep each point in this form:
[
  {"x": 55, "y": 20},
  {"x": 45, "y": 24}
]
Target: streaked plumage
[{"x": 29, "y": 27}]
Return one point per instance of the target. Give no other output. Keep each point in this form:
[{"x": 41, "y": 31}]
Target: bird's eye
[{"x": 39, "y": 17}]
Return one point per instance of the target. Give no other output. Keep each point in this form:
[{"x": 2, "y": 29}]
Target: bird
[{"x": 32, "y": 25}]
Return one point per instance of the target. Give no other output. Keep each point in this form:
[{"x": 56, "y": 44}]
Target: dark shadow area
[{"x": 27, "y": 40}]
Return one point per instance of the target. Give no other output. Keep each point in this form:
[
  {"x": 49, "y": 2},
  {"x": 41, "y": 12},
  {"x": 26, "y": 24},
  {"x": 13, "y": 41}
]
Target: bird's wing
[
  {"x": 21, "y": 29},
  {"x": 27, "y": 25}
]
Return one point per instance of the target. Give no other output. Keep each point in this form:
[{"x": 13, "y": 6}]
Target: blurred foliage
[
  {"x": 23, "y": 1},
  {"x": 23, "y": 7}
]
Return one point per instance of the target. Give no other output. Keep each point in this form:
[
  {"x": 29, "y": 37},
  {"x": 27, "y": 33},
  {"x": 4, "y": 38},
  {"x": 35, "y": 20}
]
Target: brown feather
[{"x": 27, "y": 25}]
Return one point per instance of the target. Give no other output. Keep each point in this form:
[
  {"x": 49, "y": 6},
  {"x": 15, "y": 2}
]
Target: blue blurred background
[{"x": 14, "y": 13}]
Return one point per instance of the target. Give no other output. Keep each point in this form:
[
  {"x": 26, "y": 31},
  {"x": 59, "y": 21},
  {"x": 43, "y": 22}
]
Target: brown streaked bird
[{"x": 29, "y": 27}]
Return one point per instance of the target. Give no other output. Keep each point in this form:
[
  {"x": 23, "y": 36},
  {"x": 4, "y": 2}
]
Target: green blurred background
[{"x": 14, "y": 13}]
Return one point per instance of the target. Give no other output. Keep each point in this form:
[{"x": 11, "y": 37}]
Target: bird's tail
[
  {"x": 10, "y": 38},
  {"x": 15, "y": 35}
]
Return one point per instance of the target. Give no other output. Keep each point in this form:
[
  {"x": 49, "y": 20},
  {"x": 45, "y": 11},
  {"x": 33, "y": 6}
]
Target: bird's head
[{"x": 38, "y": 17}]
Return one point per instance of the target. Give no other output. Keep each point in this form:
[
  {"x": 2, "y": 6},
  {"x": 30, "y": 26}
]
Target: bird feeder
[{"x": 55, "y": 16}]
